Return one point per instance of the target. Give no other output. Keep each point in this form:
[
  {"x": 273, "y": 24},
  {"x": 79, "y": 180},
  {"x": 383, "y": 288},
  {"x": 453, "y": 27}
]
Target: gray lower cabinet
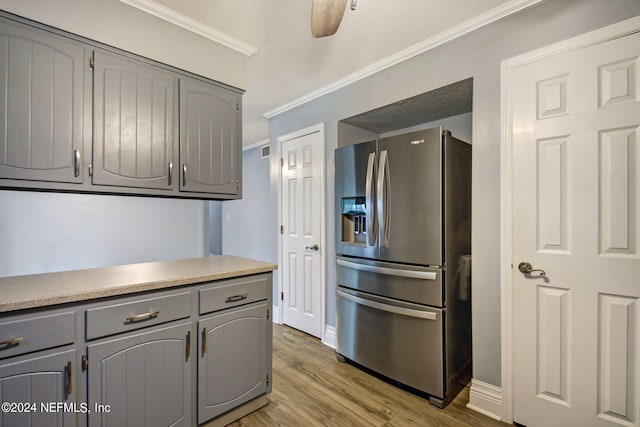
[
  {"x": 177, "y": 357},
  {"x": 210, "y": 138},
  {"x": 31, "y": 384},
  {"x": 232, "y": 367},
  {"x": 41, "y": 105},
  {"x": 133, "y": 142},
  {"x": 142, "y": 379}
]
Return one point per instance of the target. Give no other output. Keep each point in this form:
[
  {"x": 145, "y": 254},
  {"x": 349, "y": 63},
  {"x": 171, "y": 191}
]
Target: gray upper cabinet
[
  {"x": 71, "y": 106},
  {"x": 133, "y": 142},
  {"x": 210, "y": 138},
  {"x": 41, "y": 92}
]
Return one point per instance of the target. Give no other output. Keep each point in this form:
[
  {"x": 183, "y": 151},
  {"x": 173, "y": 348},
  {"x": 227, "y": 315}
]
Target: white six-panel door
[
  {"x": 576, "y": 215},
  {"x": 302, "y": 247}
]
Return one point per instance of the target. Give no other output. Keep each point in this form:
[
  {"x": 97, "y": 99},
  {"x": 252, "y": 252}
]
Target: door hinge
[
  {"x": 267, "y": 380},
  {"x": 282, "y": 229},
  {"x": 85, "y": 363},
  {"x": 268, "y": 314},
  {"x": 281, "y": 296},
  {"x": 90, "y": 170},
  {"x": 91, "y": 63},
  {"x": 237, "y": 107},
  {"x": 237, "y": 185}
]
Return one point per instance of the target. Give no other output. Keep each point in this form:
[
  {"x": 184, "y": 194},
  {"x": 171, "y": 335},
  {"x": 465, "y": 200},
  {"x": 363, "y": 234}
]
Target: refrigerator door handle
[
  {"x": 371, "y": 220},
  {"x": 384, "y": 193},
  {"x": 427, "y": 315},
  {"x": 412, "y": 274}
]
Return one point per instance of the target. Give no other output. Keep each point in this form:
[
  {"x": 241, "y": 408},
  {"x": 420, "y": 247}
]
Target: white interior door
[
  {"x": 302, "y": 231},
  {"x": 576, "y": 215}
]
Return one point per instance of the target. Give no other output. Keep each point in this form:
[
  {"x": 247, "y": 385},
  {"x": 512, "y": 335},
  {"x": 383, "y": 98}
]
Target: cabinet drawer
[
  {"x": 132, "y": 315},
  {"x": 231, "y": 293},
  {"x": 26, "y": 334}
]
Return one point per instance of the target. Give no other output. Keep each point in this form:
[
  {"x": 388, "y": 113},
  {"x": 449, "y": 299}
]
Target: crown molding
[
  {"x": 192, "y": 25},
  {"x": 256, "y": 144},
  {"x": 504, "y": 10}
]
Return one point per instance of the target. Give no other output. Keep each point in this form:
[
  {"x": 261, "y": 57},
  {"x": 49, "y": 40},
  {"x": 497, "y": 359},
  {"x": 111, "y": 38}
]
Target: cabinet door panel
[
  {"x": 145, "y": 378},
  {"x": 37, "y": 380},
  {"x": 41, "y": 83},
  {"x": 232, "y": 370},
  {"x": 133, "y": 129},
  {"x": 209, "y": 138}
]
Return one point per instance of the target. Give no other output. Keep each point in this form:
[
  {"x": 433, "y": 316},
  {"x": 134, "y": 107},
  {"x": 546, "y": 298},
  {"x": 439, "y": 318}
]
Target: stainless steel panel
[
  {"x": 368, "y": 334},
  {"x": 411, "y": 198},
  {"x": 421, "y": 285},
  {"x": 355, "y": 173}
]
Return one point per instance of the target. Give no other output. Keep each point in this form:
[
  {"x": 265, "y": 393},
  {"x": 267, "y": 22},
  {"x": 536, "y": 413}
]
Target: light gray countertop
[{"x": 40, "y": 290}]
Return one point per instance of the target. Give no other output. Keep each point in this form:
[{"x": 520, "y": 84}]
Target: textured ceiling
[{"x": 447, "y": 101}]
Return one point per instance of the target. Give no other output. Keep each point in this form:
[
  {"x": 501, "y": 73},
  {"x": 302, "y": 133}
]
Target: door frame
[
  {"x": 591, "y": 38},
  {"x": 318, "y": 128}
]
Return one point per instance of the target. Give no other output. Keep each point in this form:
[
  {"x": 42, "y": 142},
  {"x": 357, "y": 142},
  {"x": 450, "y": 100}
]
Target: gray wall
[
  {"x": 215, "y": 228},
  {"x": 248, "y": 228},
  {"x": 45, "y": 232},
  {"x": 476, "y": 55}
]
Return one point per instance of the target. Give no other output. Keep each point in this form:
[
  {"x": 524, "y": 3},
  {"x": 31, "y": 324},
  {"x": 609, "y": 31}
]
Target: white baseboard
[
  {"x": 329, "y": 336},
  {"x": 276, "y": 314},
  {"x": 486, "y": 399}
]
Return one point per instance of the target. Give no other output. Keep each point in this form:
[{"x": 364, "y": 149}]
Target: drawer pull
[
  {"x": 143, "y": 316},
  {"x": 10, "y": 343},
  {"x": 235, "y": 298}
]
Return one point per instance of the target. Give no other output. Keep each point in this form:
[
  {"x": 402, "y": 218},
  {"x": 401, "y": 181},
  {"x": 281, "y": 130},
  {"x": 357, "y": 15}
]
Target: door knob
[
  {"x": 526, "y": 268},
  {"x": 313, "y": 248}
]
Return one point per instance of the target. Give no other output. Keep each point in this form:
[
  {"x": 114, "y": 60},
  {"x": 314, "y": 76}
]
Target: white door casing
[
  {"x": 302, "y": 207},
  {"x": 571, "y": 188}
]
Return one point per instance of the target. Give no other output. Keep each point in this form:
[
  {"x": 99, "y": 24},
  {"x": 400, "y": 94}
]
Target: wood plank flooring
[{"x": 311, "y": 388}]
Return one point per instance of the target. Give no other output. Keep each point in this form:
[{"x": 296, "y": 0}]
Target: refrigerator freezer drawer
[
  {"x": 420, "y": 285},
  {"x": 401, "y": 341}
]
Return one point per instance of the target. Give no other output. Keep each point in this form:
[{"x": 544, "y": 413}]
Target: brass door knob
[{"x": 526, "y": 268}]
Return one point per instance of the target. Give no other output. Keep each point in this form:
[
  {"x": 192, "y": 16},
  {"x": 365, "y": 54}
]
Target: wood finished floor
[{"x": 311, "y": 388}]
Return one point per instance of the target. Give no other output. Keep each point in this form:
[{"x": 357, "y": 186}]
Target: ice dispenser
[{"x": 354, "y": 220}]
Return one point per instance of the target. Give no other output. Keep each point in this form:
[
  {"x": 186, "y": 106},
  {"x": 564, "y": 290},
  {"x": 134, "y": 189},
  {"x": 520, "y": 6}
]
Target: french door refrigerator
[{"x": 403, "y": 244}]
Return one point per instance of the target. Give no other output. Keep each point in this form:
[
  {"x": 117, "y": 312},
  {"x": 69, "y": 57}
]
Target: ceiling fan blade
[{"x": 326, "y": 16}]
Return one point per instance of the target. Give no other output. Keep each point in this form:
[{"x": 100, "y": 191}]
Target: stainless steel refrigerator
[{"x": 403, "y": 244}]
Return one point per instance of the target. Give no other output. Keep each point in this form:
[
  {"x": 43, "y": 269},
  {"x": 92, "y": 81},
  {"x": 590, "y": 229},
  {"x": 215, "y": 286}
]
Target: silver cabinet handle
[
  {"x": 76, "y": 163},
  {"x": 235, "y": 298},
  {"x": 526, "y": 268},
  {"x": 69, "y": 379},
  {"x": 143, "y": 316},
  {"x": 204, "y": 341},
  {"x": 170, "y": 173},
  {"x": 371, "y": 219},
  {"x": 389, "y": 308},
  {"x": 184, "y": 174},
  {"x": 313, "y": 248},
  {"x": 10, "y": 342},
  {"x": 188, "y": 343},
  {"x": 424, "y": 275}
]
